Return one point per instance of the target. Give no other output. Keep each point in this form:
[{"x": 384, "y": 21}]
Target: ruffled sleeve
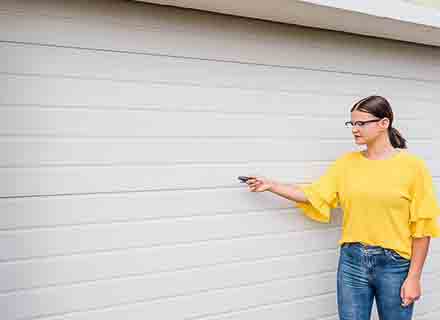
[
  {"x": 424, "y": 207},
  {"x": 322, "y": 194}
]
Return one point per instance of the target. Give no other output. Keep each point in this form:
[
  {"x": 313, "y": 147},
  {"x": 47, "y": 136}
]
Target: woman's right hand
[{"x": 259, "y": 184}]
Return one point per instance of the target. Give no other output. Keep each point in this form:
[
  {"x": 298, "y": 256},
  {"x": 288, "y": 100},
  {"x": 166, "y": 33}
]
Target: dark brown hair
[{"x": 380, "y": 107}]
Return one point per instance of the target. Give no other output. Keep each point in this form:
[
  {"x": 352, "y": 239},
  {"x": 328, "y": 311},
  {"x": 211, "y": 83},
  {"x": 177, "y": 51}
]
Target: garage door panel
[
  {"x": 89, "y": 64},
  {"x": 91, "y": 297},
  {"x": 149, "y": 264},
  {"x": 91, "y": 93},
  {"x": 264, "y": 249},
  {"x": 124, "y": 126},
  {"x": 35, "y": 212},
  {"x": 29, "y": 121},
  {"x": 82, "y": 180},
  {"x": 130, "y": 289},
  {"x": 24, "y": 151},
  {"x": 155, "y": 287},
  {"x": 427, "y": 303},
  {"x": 31, "y": 212},
  {"x": 91, "y": 238},
  {"x": 147, "y": 123},
  {"x": 431, "y": 276},
  {"x": 35, "y": 121},
  {"x": 38, "y": 91},
  {"x": 83, "y": 238},
  {"x": 432, "y": 262},
  {"x": 435, "y": 314},
  {"x": 204, "y": 305},
  {"x": 162, "y": 28},
  {"x": 43, "y": 151},
  {"x": 302, "y": 309}
]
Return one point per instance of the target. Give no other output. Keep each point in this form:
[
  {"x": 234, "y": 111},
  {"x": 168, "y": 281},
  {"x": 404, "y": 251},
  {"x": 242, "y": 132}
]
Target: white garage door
[{"x": 123, "y": 127}]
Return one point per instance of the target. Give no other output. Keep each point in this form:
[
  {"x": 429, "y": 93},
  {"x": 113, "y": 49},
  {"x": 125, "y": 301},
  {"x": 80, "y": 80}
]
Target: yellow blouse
[{"x": 384, "y": 202}]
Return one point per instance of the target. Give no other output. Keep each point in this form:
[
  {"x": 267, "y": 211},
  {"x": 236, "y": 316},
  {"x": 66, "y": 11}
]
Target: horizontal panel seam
[
  {"x": 263, "y": 306},
  {"x": 27, "y": 196},
  {"x": 288, "y": 138},
  {"x": 142, "y": 275},
  {"x": 235, "y": 115},
  {"x": 163, "y": 246},
  {"x": 266, "y": 212},
  {"x": 434, "y": 311},
  {"x": 196, "y": 268},
  {"x": 265, "y": 89},
  {"x": 142, "y": 301},
  {"x": 324, "y": 70},
  {"x": 173, "y": 164}
]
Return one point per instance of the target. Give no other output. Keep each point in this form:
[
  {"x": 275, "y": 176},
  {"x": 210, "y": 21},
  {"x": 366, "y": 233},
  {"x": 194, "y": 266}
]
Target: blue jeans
[{"x": 368, "y": 272}]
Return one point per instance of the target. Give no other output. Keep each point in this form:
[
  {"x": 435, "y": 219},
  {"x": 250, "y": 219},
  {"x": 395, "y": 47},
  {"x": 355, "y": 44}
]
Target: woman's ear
[{"x": 385, "y": 123}]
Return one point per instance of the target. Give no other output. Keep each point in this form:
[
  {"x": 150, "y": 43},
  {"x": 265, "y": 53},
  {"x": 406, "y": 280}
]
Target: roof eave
[{"x": 391, "y": 19}]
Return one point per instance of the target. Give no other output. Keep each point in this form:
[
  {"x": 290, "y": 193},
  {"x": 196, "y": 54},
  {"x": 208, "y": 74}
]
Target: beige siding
[
  {"x": 123, "y": 128},
  {"x": 433, "y": 4}
]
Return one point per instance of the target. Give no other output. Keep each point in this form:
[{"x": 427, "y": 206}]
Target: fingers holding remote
[{"x": 258, "y": 184}]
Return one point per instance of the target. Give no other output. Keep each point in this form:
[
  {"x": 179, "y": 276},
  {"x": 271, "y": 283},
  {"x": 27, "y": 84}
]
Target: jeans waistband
[{"x": 365, "y": 247}]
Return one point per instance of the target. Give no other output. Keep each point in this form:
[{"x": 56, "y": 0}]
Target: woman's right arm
[
  {"x": 291, "y": 192},
  {"x": 288, "y": 191}
]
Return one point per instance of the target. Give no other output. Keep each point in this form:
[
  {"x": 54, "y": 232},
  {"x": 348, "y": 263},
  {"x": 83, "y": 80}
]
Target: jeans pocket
[
  {"x": 346, "y": 245},
  {"x": 347, "y": 250},
  {"x": 395, "y": 256}
]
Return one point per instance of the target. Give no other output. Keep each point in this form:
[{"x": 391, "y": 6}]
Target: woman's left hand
[{"x": 410, "y": 291}]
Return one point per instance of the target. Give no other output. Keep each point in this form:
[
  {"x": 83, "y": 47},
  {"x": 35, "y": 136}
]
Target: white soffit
[{"x": 391, "y": 19}]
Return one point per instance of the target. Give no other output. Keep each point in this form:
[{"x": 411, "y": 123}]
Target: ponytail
[{"x": 396, "y": 138}]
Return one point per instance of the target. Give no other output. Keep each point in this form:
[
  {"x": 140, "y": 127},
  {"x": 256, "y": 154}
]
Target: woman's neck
[{"x": 380, "y": 149}]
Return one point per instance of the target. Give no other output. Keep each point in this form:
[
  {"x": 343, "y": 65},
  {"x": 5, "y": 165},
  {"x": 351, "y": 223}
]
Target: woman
[{"x": 390, "y": 213}]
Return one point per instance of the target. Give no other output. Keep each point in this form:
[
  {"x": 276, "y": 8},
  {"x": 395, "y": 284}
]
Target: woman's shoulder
[
  {"x": 407, "y": 156},
  {"x": 345, "y": 158},
  {"x": 412, "y": 157},
  {"x": 349, "y": 155},
  {"x": 413, "y": 161}
]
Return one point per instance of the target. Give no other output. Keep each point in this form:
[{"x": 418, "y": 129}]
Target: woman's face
[{"x": 367, "y": 132}]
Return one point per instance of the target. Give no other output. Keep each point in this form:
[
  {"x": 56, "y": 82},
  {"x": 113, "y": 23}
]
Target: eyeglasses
[{"x": 359, "y": 123}]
